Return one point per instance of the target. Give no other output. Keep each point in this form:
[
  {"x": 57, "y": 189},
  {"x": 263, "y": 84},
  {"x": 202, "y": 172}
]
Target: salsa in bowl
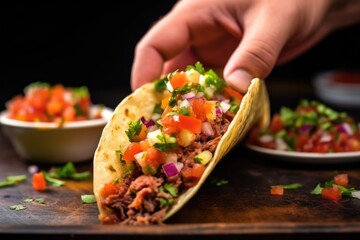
[{"x": 54, "y": 124}]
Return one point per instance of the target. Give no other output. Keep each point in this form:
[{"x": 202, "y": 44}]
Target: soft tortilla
[{"x": 254, "y": 109}]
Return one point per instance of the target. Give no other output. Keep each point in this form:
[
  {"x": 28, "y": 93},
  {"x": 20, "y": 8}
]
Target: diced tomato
[
  {"x": 276, "y": 123},
  {"x": 331, "y": 193},
  {"x": 198, "y": 108},
  {"x": 38, "y": 181},
  {"x": 144, "y": 145},
  {"x": 178, "y": 80},
  {"x": 131, "y": 150},
  {"x": 191, "y": 175},
  {"x": 277, "y": 190},
  {"x": 166, "y": 111},
  {"x": 232, "y": 93},
  {"x": 178, "y": 122},
  {"x": 154, "y": 157},
  {"x": 342, "y": 179},
  {"x": 165, "y": 102},
  {"x": 46, "y": 104},
  {"x": 109, "y": 189},
  {"x": 321, "y": 148},
  {"x": 38, "y": 98},
  {"x": 301, "y": 140}
]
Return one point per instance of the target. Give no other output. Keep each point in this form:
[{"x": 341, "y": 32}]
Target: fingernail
[{"x": 240, "y": 80}]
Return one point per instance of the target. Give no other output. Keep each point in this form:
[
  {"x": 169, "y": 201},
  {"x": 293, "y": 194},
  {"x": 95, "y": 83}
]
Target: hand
[{"x": 245, "y": 38}]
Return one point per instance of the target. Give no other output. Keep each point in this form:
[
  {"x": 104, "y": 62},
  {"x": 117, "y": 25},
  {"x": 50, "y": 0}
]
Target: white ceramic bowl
[
  {"x": 337, "y": 93},
  {"x": 43, "y": 142}
]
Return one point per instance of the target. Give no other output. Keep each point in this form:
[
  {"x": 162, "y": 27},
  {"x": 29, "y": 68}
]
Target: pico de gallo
[
  {"x": 310, "y": 127},
  {"x": 169, "y": 151},
  {"x": 42, "y": 102}
]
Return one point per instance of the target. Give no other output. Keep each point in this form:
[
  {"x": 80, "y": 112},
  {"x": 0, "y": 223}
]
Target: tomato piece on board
[
  {"x": 38, "y": 181},
  {"x": 332, "y": 193},
  {"x": 342, "y": 179},
  {"x": 277, "y": 190}
]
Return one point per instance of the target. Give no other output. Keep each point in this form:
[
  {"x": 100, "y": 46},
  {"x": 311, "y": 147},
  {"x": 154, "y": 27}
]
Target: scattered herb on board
[
  {"x": 12, "y": 180},
  {"x": 336, "y": 188},
  {"x": 17, "y": 207},
  {"x": 88, "y": 198}
]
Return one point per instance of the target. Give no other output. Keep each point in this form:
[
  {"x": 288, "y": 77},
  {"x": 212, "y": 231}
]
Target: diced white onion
[
  {"x": 169, "y": 86},
  {"x": 325, "y": 137},
  {"x": 224, "y": 106},
  {"x": 355, "y": 194},
  {"x": 140, "y": 157},
  {"x": 185, "y": 103},
  {"x": 171, "y": 157},
  {"x": 266, "y": 138},
  {"x": 207, "y": 129},
  {"x": 153, "y": 137},
  {"x": 280, "y": 144}
]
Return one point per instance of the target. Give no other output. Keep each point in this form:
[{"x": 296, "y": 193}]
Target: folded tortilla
[{"x": 254, "y": 109}]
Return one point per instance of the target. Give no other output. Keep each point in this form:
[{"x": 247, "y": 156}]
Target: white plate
[{"x": 312, "y": 158}]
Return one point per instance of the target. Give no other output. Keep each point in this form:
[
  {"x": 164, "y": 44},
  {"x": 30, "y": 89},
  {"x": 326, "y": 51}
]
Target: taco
[{"x": 164, "y": 140}]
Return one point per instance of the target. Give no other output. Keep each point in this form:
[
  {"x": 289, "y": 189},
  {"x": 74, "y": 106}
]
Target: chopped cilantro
[
  {"x": 134, "y": 129},
  {"x": 171, "y": 188},
  {"x": 160, "y": 84}
]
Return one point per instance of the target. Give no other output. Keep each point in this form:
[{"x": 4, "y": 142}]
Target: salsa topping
[
  {"x": 170, "y": 150},
  {"x": 310, "y": 127}
]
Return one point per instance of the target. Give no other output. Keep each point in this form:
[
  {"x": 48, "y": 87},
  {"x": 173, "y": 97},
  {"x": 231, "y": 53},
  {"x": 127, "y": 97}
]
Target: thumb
[{"x": 256, "y": 53}]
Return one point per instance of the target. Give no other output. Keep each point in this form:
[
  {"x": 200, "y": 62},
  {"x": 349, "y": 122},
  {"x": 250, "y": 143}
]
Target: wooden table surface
[{"x": 243, "y": 208}]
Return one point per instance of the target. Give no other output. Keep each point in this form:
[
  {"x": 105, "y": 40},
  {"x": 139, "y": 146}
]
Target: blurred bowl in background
[
  {"x": 340, "y": 88},
  {"x": 45, "y": 142}
]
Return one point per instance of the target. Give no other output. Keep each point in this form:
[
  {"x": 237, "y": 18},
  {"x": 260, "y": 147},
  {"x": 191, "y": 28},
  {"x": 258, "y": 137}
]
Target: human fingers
[
  {"x": 166, "y": 39},
  {"x": 265, "y": 34}
]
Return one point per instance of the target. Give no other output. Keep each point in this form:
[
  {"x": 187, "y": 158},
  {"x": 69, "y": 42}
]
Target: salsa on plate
[{"x": 310, "y": 127}]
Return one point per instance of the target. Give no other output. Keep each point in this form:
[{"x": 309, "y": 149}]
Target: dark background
[{"x": 93, "y": 45}]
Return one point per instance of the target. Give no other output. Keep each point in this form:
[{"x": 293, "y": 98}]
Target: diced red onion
[
  {"x": 218, "y": 110},
  {"x": 189, "y": 95},
  {"x": 305, "y": 128},
  {"x": 207, "y": 129},
  {"x": 325, "y": 137},
  {"x": 147, "y": 123},
  {"x": 345, "y": 128},
  {"x": 33, "y": 169},
  {"x": 170, "y": 169},
  {"x": 224, "y": 106}
]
